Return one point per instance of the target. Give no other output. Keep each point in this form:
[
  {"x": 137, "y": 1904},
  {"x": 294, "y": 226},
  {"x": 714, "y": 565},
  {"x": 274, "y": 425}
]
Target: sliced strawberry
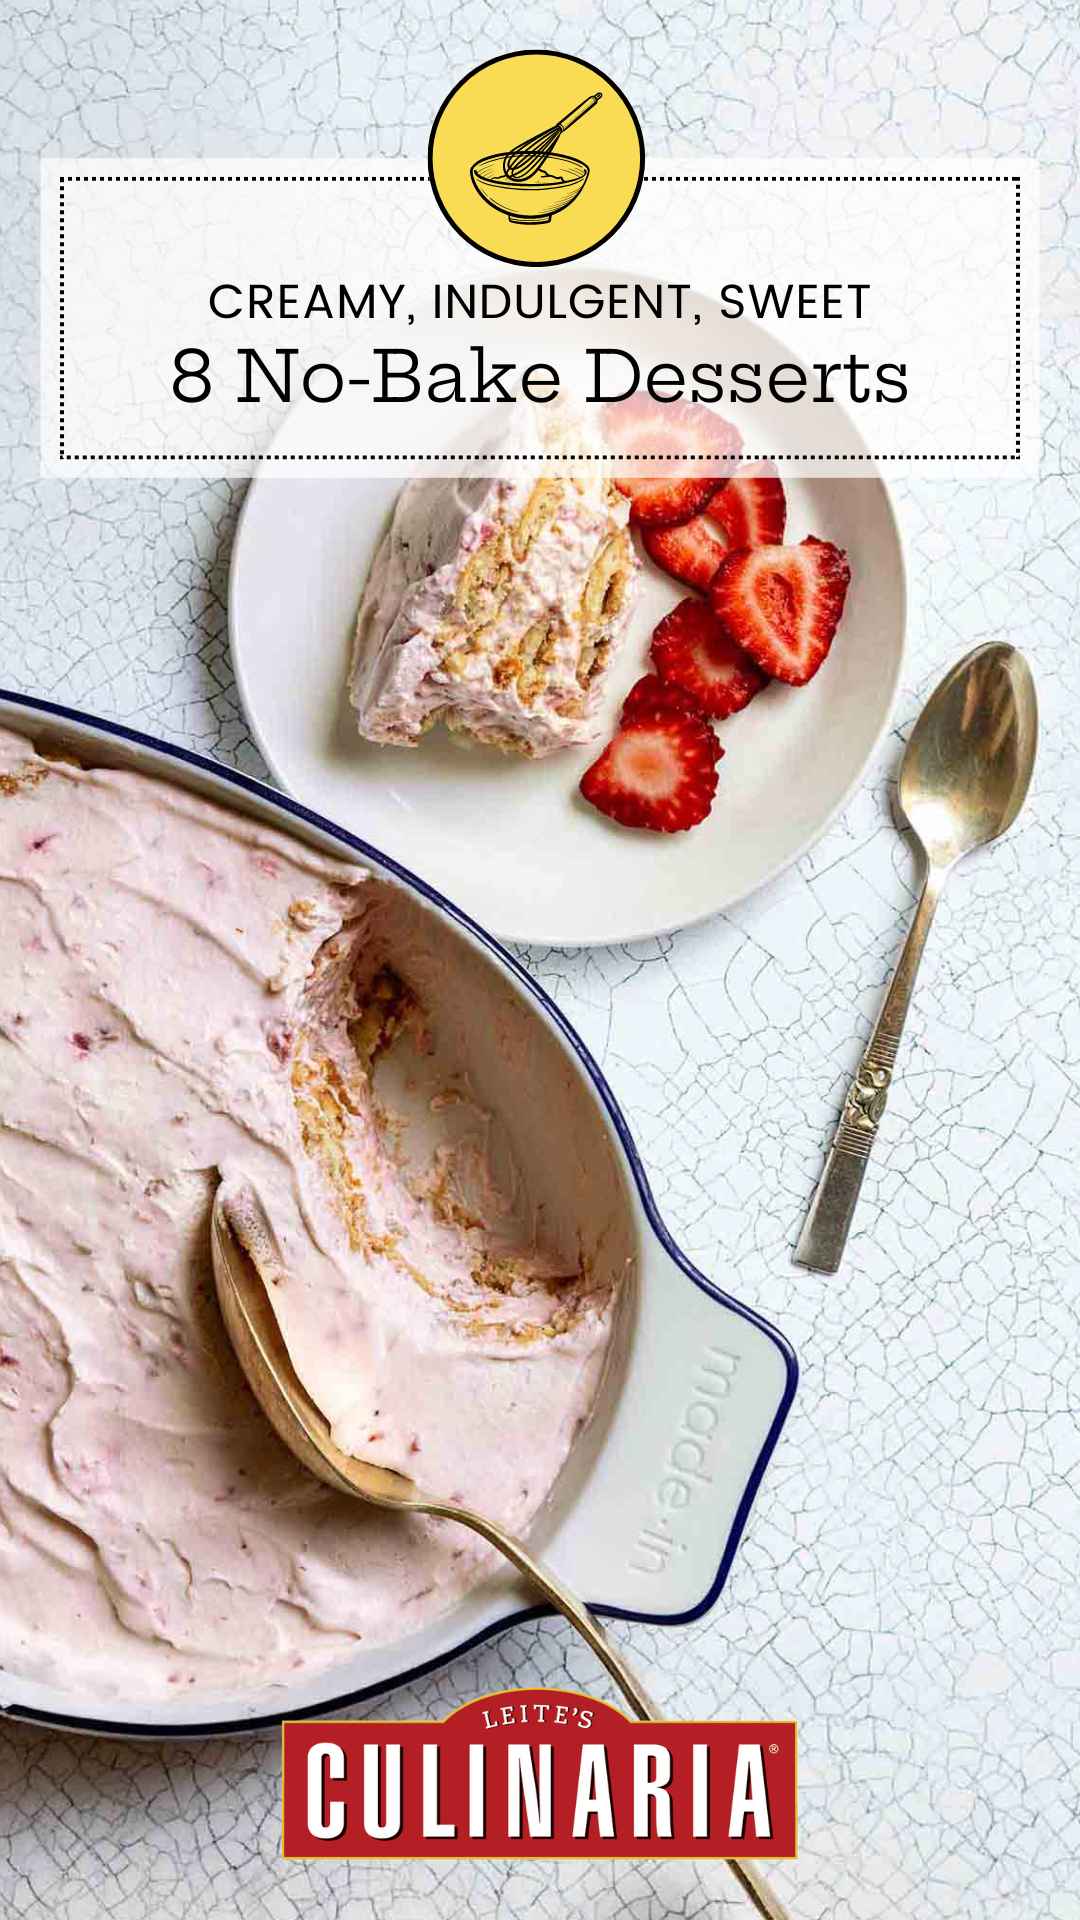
[
  {"x": 652, "y": 696},
  {"x": 690, "y": 553},
  {"x": 783, "y": 604},
  {"x": 667, "y": 501},
  {"x": 692, "y": 650},
  {"x": 752, "y": 509},
  {"x": 670, "y": 493},
  {"x": 658, "y": 772}
]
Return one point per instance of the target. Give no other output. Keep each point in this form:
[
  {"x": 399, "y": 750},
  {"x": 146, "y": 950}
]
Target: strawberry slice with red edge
[
  {"x": 651, "y": 696},
  {"x": 783, "y": 604},
  {"x": 695, "y": 652},
  {"x": 690, "y": 553},
  {"x": 659, "y": 772},
  {"x": 752, "y": 509},
  {"x": 667, "y": 501},
  {"x": 643, "y": 429}
]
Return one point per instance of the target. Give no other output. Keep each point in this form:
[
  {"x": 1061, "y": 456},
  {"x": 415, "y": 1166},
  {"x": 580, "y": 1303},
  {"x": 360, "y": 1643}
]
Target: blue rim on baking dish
[{"x": 283, "y": 804}]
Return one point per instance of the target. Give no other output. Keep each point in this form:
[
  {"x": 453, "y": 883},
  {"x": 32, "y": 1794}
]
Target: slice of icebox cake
[{"x": 497, "y": 603}]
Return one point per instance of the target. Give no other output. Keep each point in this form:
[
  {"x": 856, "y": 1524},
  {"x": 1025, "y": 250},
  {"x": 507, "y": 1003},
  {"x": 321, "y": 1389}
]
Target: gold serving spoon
[
  {"x": 240, "y": 1238},
  {"x": 963, "y": 780}
]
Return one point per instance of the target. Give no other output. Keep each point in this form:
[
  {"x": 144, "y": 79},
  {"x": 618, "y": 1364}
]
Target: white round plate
[{"x": 511, "y": 840}]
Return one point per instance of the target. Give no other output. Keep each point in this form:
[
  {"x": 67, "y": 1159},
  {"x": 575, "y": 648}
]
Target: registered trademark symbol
[{"x": 773, "y": 1747}]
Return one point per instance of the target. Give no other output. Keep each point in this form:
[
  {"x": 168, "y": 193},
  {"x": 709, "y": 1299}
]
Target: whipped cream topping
[
  {"x": 497, "y": 604},
  {"x": 187, "y": 995}
]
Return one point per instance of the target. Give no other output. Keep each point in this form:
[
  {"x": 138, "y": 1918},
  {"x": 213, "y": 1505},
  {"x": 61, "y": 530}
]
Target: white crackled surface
[{"x": 908, "y": 1584}]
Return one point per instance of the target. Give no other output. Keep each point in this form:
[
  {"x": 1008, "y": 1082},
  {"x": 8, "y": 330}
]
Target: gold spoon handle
[
  {"x": 753, "y": 1885},
  {"x": 757, "y": 1890},
  {"x": 824, "y": 1235},
  {"x": 567, "y": 1603}
]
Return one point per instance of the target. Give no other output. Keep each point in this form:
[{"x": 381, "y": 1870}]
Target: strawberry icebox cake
[
  {"x": 502, "y": 606},
  {"x": 188, "y": 995},
  {"x": 498, "y": 604}
]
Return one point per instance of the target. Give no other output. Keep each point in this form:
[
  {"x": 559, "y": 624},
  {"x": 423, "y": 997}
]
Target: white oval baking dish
[{"x": 645, "y": 1519}]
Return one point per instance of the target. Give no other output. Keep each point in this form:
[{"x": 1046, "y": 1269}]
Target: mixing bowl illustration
[
  {"x": 557, "y": 182},
  {"x": 532, "y": 181}
]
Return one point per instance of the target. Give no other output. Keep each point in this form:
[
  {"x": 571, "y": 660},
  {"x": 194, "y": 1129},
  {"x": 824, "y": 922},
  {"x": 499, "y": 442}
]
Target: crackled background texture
[{"x": 908, "y": 1584}]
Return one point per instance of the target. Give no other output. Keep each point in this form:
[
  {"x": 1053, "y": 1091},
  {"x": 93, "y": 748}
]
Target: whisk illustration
[{"x": 529, "y": 155}]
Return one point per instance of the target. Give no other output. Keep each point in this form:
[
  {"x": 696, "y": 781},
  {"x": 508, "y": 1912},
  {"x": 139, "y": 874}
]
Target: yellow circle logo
[{"x": 536, "y": 157}]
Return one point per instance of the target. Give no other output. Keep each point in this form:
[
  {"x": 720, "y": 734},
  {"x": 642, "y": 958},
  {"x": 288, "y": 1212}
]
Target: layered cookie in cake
[{"x": 497, "y": 604}]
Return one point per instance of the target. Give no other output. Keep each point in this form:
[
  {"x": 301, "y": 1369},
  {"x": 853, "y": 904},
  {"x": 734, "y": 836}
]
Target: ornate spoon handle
[{"x": 824, "y": 1235}]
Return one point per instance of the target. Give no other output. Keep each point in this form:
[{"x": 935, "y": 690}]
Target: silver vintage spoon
[
  {"x": 251, "y": 1323},
  {"x": 963, "y": 780}
]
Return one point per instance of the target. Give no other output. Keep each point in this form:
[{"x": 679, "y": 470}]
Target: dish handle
[{"x": 705, "y": 1388}]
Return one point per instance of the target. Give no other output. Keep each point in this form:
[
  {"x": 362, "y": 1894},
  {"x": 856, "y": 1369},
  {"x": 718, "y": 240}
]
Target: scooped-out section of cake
[
  {"x": 497, "y": 604},
  {"x": 186, "y": 996}
]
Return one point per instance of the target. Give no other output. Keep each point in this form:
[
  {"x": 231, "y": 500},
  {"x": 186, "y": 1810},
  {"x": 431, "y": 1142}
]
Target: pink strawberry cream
[{"x": 187, "y": 995}]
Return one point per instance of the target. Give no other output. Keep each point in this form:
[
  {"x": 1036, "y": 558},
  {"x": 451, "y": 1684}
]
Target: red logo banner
[{"x": 538, "y": 1774}]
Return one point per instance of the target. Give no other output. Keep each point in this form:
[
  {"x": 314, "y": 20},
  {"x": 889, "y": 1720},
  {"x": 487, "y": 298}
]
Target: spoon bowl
[
  {"x": 244, "y": 1273},
  {"x": 969, "y": 760}
]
